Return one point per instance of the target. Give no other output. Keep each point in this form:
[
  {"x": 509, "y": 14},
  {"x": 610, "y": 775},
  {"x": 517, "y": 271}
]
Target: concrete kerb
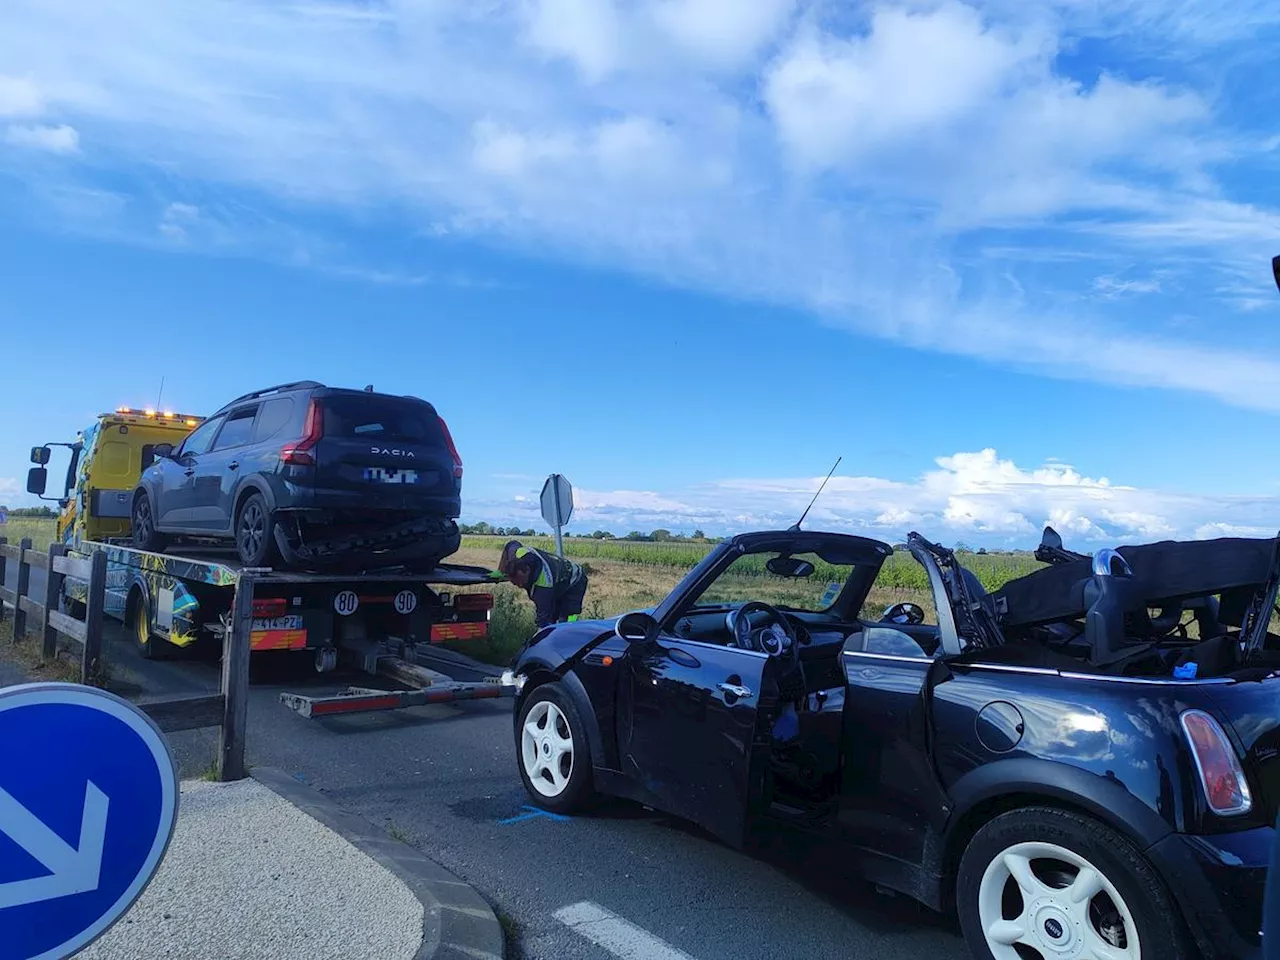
[{"x": 457, "y": 924}]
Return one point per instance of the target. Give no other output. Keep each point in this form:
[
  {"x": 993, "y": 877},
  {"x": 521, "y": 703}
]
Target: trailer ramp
[{"x": 426, "y": 687}]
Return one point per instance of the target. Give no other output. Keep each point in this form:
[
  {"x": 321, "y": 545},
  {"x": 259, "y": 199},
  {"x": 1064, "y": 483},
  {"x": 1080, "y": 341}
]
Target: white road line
[{"x": 620, "y": 937}]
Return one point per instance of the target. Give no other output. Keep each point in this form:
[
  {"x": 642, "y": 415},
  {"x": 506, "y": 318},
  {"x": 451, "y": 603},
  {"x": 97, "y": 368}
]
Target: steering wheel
[{"x": 775, "y": 637}]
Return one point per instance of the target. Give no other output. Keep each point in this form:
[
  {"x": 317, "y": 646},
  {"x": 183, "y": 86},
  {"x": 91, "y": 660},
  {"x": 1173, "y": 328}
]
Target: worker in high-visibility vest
[{"x": 557, "y": 587}]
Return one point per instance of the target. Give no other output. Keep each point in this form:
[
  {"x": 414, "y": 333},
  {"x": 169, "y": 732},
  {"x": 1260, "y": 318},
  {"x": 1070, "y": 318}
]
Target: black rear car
[
  {"x": 1083, "y": 764},
  {"x": 306, "y": 475}
]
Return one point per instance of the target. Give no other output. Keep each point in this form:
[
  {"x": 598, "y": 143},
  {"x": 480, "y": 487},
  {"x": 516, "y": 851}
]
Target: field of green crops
[
  {"x": 40, "y": 531},
  {"x": 901, "y": 571}
]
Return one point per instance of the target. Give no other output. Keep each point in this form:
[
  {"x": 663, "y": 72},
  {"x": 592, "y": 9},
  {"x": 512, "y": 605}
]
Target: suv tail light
[
  {"x": 453, "y": 450},
  {"x": 1220, "y": 773},
  {"x": 299, "y": 453}
]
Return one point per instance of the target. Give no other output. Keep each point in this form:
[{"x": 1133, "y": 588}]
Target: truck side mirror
[
  {"x": 37, "y": 480},
  {"x": 40, "y": 455}
]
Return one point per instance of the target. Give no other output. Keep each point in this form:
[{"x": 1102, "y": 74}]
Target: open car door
[{"x": 688, "y": 728}]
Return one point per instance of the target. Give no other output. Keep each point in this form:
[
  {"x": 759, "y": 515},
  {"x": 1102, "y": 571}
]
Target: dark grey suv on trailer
[{"x": 308, "y": 476}]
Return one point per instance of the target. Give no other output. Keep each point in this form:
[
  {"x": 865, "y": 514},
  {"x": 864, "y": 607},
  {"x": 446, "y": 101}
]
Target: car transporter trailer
[{"x": 380, "y": 622}]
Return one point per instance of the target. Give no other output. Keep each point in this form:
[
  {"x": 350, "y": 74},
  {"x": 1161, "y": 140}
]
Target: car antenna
[
  {"x": 161, "y": 393},
  {"x": 795, "y": 527}
]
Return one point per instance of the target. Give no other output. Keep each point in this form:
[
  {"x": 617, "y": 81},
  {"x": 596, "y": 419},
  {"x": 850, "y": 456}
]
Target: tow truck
[{"x": 378, "y": 621}]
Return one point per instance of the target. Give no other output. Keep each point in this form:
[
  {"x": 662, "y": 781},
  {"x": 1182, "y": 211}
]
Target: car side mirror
[
  {"x": 37, "y": 480},
  {"x": 636, "y": 627},
  {"x": 905, "y": 612},
  {"x": 40, "y": 455},
  {"x": 163, "y": 450}
]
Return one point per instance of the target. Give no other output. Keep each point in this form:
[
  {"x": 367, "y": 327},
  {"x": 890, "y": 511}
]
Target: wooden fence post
[
  {"x": 52, "y": 591},
  {"x": 24, "y": 583},
  {"x": 91, "y": 664},
  {"x": 235, "y": 683},
  {"x": 3, "y": 542}
]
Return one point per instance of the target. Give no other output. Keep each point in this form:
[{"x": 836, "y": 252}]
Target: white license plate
[{"x": 292, "y": 622}]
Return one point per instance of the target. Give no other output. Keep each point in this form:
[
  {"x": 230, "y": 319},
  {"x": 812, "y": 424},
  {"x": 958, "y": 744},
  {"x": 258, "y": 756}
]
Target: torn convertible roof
[{"x": 1168, "y": 571}]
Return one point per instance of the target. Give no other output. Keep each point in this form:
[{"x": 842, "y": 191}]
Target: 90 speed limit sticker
[
  {"x": 406, "y": 601},
  {"x": 346, "y": 602}
]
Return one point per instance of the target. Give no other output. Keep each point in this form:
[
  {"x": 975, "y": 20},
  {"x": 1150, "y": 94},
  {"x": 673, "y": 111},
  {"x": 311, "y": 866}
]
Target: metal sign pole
[{"x": 559, "y": 519}]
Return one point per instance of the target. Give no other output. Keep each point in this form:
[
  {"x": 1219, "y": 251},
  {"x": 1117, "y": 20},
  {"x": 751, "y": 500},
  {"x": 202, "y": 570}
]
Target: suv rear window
[{"x": 379, "y": 418}]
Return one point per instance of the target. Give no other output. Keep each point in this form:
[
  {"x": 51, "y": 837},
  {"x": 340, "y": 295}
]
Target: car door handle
[
  {"x": 233, "y": 465},
  {"x": 736, "y": 689},
  {"x": 190, "y": 471}
]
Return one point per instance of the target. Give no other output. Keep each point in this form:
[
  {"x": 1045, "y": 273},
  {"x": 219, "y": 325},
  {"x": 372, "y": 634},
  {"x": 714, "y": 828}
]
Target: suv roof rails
[{"x": 296, "y": 385}]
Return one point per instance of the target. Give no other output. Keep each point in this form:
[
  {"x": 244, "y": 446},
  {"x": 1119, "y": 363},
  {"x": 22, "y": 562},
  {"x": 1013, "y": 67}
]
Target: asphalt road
[{"x": 443, "y": 778}]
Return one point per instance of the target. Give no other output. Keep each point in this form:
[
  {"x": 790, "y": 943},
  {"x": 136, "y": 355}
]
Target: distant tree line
[
  {"x": 655, "y": 536},
  {"x": 486, "y": 530},
  {"x": 42, "y": 512}
]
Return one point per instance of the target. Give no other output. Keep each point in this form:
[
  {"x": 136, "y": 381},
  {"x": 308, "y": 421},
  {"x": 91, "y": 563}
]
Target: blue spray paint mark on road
[{"x": 532, "y": 813}]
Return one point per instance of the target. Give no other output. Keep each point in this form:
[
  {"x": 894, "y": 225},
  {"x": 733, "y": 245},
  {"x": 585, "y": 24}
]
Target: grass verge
[{"x": 26, "y": 656}]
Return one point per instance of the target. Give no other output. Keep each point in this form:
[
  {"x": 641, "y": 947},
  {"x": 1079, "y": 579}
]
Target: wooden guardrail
[{"x": 227, "y": 709}]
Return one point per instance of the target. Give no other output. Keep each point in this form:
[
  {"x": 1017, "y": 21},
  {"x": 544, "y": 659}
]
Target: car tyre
[
  {"x": 255, "y": 532},
  {"x": 1040, "y": 878},
  {"x": 552, "y": 751},
  {"x": 150, "y": 647},
  {"x": 145, "y": 534}
]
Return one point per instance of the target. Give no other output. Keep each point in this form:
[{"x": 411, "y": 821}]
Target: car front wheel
[
  {"x": 553, "y": 753},
  {"x": 1047, "y": 884}
]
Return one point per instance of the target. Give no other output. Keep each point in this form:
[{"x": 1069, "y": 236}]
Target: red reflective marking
[
  {"x": 355, "y": 703},
  {"x": 278, "y": 640}
]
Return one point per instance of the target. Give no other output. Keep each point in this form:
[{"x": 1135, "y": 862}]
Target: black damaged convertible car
[{"x": 1083, "y": 764}]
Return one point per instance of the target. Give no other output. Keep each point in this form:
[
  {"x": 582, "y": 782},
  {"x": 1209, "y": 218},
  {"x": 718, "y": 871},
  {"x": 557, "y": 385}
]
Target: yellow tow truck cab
[{"x": 107, "y": 458}]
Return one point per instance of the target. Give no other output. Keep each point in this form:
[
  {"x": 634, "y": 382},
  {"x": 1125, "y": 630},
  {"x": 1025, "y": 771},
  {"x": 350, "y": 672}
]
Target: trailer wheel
[
  {"x": 151, "y": 647},
  {"x": 255, "y": 532}
]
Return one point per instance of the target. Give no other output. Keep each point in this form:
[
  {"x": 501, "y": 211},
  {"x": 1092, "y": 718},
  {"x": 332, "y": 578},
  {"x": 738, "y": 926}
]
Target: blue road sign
[{"x": 88, "y": 801}]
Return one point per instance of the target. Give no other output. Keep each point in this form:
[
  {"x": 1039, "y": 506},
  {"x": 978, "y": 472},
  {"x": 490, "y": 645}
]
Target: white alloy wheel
[
  {"x": 1056, "y": 905},
  {"x": 546, "y": 748}
]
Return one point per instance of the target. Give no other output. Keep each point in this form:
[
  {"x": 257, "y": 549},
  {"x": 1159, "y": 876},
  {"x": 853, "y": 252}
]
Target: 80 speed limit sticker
[
  {"x": 346, "y": 602},
  {"x": 406, "y": 601}
]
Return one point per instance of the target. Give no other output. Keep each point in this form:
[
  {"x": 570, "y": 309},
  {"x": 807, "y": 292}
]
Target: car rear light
[
  {"x": 1220, "y": 773},
  {"x": 453, "y": 450},
  {"x": 473, "y": 601},
  {"x": 273, "y": 607},
  {"x": 299, "y": 453}
]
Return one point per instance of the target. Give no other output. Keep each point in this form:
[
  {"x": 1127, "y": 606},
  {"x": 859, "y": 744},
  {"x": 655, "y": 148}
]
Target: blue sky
[{"x": 1010, "y": 260}]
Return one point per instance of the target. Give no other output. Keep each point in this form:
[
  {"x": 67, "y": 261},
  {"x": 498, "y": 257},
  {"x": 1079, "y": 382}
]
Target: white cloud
[
  {"x": 175, "y": 219},
  {"x": 19, "y": 97},
  {"x": 585, "y": 32},
  {"x": 1113, "y": 287},
  {"x": 54, "y": 139},
  {"x": 895, "y": 140},
  {"x": 914, "y": 71},
  {"x": 975, "y": 496},
  {"x": 722, "y": 33}
]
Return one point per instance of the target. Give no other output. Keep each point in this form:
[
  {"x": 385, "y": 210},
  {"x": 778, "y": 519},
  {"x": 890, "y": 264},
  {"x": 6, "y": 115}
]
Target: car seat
[{"x": 1116, "y": 608}]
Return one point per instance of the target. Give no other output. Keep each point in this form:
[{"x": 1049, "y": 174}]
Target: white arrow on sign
[{"x": 70, "y": 870}]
